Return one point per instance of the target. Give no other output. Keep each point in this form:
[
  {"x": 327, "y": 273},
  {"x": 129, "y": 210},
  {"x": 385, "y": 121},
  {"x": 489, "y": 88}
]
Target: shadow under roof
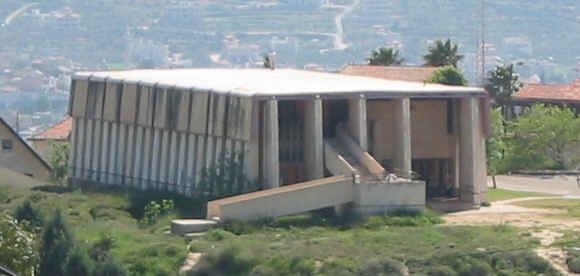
[{"x": 281, "y": 83}]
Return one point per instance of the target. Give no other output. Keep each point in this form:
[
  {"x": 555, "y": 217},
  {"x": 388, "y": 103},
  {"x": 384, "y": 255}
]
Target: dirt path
[
  {"x": 339, "y": 41},
  {"x": 542, "y": 223}
]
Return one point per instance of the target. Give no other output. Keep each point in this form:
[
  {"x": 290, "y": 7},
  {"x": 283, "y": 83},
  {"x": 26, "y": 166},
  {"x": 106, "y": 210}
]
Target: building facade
[
  {"x": 18, "y": 156},
  {"x": 194, "y": 131}
]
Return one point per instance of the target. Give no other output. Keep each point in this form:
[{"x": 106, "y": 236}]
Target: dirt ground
[{"x": 544, "y": 224}]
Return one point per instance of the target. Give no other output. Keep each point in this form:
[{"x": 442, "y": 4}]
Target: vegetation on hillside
[{"x": 385, "y": 57}]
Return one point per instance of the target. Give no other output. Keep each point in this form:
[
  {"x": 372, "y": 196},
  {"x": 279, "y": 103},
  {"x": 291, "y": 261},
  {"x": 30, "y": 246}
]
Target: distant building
[
  {"x": 17, "y": 155},
  {"x": 56, "y": 134},
  {"x": 402, "y": 73},
  {"x": 554, "y": 94}
]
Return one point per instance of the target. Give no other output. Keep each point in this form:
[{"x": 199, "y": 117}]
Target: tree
[
  {"x": 17, "y": 247},
  {"x": 448, "y": 75},
  {"x": 496, "y": 145},
  {"x": 57, "y": 242},
  {"x": 59, "y": 160},
  {"x": 79, "y": 262},
  {"x": 502, "y": 83},
  {"x": 443, "y": 53},
  {"x": 546, "y": 137},
  {"x": 385, "y": 57}
]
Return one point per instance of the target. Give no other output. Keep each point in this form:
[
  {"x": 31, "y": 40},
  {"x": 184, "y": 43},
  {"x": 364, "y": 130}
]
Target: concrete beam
[
  {"x": 271, "y": 145},
  {"x": 313, "y": 144},
  {"x": 402, "y": 137},
  {"x": 472, "y": 171},
  {"x": 358, "y": 122}
]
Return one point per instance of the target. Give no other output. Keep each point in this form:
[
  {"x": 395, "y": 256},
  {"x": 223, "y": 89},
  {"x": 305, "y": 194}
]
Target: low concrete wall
[
  {"x": 286, "y": 200},
  {"x": 377, "y": 198}
]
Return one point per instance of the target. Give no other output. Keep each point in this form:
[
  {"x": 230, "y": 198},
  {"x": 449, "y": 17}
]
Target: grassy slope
[
  {"x": 501, "y": 194},
  {"x": 416, "y": 246},
  {"x": 144, "y": 251}
]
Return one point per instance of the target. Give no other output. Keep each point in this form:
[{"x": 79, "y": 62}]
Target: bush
[
  {"x": 218, "y": 235},
  {"x": 109, "y": 267},
  {"x": 229, "y": 261},
  {"x": 153, "y": 211},
  {"x": 338, "y": 267},
  {"x": 79, "y": 263},
  {"x": 384, "y": 266},
  {"x": 100, "y": 249},
  {"x": 57, "y": 241},
  {"x": 17, "y": 247},
  {"x": 293, "y": 266},
  {"x": 574, "y": 264},
  {"x": 29, "y": 213},
  {"x": 442, "y": 270}
]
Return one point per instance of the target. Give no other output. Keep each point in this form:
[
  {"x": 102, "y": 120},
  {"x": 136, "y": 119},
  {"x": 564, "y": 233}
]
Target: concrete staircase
[{"x": 286, "y": 200}]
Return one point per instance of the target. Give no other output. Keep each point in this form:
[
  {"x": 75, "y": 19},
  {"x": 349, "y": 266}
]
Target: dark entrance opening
[
  {"x": 335, "y": 112},
  {"x": 438, "y": 177},
  {"x": 291, "y": 141}
]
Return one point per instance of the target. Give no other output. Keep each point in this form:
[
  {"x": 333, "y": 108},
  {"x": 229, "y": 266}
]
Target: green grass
[
  {"x": 502, "y": 194},
  {"x": 142, "y": 250},
  {"x": 417, "y": 246},
  {"x": 571, "y": 207}
]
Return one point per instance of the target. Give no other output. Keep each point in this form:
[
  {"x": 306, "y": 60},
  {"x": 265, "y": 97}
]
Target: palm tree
[
  {"x": 442, "y": 53},
  {"x": 385, "y": 57}
]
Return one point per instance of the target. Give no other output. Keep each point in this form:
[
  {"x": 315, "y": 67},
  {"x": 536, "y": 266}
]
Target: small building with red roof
[{"x": 56, "y": 134}]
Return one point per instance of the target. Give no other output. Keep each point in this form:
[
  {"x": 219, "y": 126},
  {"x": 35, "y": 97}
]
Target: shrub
[
  {"x": 57, "y": 241},
  {"x": 574, "y": 264},
  {"x": 229, "y": 261},
  {"x": 384, "y": 266},
  {"x": 29, "y": 213},
  {"x": 338, "y": 267},
  {"x": 109, "y": 267},
  {"x": 79, "y": 263},
  {"x": 218, "y": 235},
  {"x": 100, "y": 249},
  {"x": 153, "y": 211},
  {"x": 442, "y": 270},
  {"x": 293, "y": 266},
  {"x": 17, "y": 247}
]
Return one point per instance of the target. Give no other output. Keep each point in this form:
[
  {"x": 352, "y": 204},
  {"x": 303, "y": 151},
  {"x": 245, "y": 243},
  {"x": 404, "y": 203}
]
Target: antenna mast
[{"x": 482, "y": 44}]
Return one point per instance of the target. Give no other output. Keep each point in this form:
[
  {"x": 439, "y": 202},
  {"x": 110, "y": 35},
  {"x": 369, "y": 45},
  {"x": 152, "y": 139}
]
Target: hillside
[{"x": 323, "y": 34}]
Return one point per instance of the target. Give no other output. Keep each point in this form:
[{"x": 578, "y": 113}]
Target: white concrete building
[{"x": 171, "y": 129}]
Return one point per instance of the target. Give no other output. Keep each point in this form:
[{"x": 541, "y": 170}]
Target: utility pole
[{"x": 482, "y": 44}]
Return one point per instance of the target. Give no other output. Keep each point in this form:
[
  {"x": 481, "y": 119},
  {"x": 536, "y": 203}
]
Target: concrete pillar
[
  {"x": 271, "y": 145},
  {"x": 472, "y": 171},
  {"x": 252, "y": 154},
  {"x": 402, "y": 137},
  {"x": 358, "y": 121},
  {"x": 313, "y": 140}
]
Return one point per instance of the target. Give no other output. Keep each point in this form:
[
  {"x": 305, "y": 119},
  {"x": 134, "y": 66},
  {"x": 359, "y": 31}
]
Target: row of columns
[{"x": 472, "y": 151}]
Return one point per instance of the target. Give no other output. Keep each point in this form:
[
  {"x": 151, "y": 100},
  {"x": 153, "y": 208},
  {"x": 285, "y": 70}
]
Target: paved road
[{"x": 559, "y": 185}]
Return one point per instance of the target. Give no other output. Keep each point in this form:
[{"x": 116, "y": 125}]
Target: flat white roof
[{"x": 281, "y": 83}]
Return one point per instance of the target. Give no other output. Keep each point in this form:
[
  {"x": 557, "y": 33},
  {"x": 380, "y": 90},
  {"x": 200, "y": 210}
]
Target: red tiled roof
[
  {"x": 401, "y": 73},
  {"x": 550, "y": 92},
  {"x": 60, "y": 131}
]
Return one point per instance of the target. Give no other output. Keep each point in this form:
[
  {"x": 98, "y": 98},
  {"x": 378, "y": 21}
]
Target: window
[{"x": 7, "y": 144}]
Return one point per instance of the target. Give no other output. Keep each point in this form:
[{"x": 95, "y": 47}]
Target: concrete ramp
[{"x": 286, "y": 200}]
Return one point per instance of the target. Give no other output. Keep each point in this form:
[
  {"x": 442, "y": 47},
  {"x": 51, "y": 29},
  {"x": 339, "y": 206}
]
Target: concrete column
[
  {"x": 358, "y": 121},
  {"x": 472, "y": 171},
  {"x": 252, "y": 154},
  {"x": 271, "y": 145},
  {"x": 313, "y": 140},
  {"x": 402, "y": 137}
]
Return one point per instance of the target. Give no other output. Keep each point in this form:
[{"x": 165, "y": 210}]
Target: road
[
  {"x": 339, "y": 41},
  {"x": 558, "y": 185}
]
